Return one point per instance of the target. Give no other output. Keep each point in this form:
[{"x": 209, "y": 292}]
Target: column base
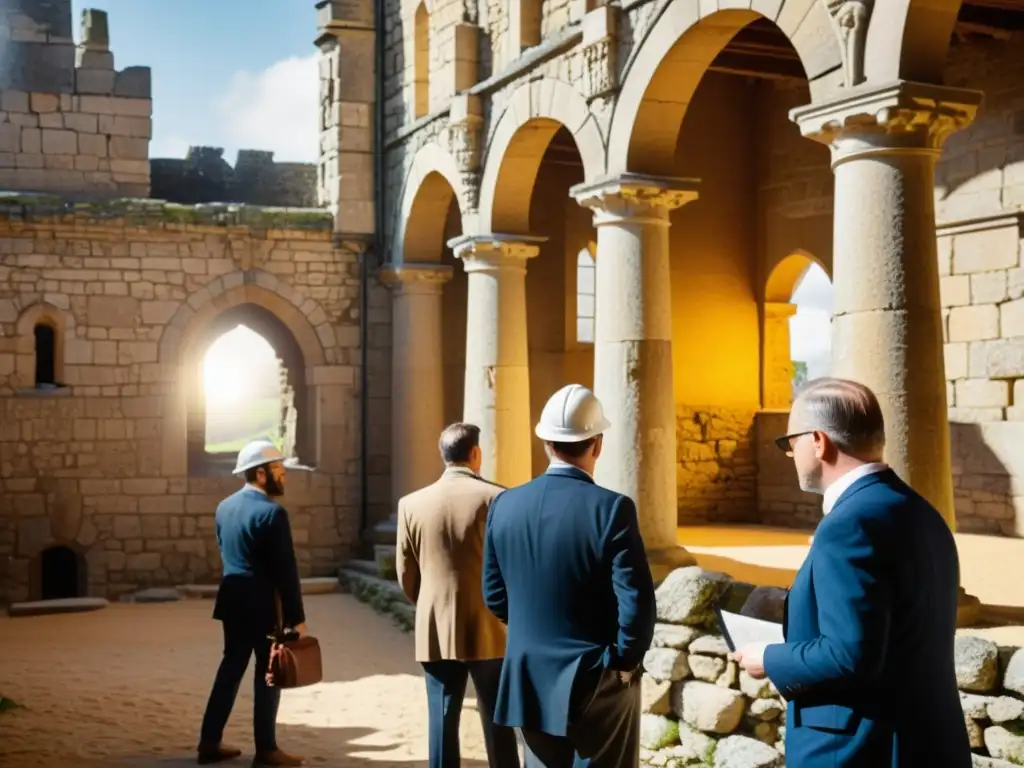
[
  {"x": 664, "y": 561},
  {"x": 968, "y": 609}
]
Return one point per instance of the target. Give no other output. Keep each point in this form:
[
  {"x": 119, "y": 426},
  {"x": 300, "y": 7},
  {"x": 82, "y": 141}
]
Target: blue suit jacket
[
  {"x": 867, "y": 665},
  {"x": 565, "y": 568},
  {"x": 255, "y": 541}
]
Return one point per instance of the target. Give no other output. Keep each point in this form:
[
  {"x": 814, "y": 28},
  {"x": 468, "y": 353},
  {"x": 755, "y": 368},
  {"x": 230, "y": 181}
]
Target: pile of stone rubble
[{"x": 701, "y": 711}]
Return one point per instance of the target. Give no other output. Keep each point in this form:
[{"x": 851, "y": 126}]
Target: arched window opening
[
  {"x": 586, "y": 279},
  {"x": 247, "y": 394},
  {"x": 61, "y": 574},
  {"x": 421, "y": 62},
  {"x": 46, "y": 355},
  {"x": 525, "y": 17},
  {"x": 810, "y": 327}
]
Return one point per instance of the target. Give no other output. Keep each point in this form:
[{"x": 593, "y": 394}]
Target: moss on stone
[{"x": 147, "y": 212}]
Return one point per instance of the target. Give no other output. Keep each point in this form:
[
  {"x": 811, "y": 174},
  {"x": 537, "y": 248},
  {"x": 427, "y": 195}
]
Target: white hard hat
[
  {"x": 256, "y": 454},
  {"x": 573, "y": 414}
]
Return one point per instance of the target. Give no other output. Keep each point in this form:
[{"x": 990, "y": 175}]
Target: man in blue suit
[
  {"x": 565, "y": 568},
  {"x": 259, "y": 588},
  {"x": 867, "y": 666}
]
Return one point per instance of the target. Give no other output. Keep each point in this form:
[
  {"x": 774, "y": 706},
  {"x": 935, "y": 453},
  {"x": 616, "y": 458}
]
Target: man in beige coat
[{"x": 439, "y": 562}]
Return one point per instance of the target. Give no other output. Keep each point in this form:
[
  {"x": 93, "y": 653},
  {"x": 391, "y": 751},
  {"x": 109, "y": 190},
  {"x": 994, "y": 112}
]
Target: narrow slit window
[
  {"x": 46, "y": 355},
  {"x": 586, "y": 274}
]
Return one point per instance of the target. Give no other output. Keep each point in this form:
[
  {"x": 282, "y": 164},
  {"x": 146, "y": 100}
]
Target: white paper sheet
[{"x": 741, "y": 630}]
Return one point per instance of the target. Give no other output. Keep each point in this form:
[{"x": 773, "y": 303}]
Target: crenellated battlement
[{"x": 70, "y": 122}]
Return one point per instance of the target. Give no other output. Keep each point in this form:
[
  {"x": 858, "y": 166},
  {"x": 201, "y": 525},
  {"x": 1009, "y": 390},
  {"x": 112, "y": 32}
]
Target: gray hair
[
  {"x": 847, "y": 411},
  {"x": 458, "y": 441}
]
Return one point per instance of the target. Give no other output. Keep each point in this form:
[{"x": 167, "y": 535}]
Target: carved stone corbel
[
  {"x": 599, "y": 53},
  {"x": 464, "y": 127},
  {"x": 850, "y": 21}
]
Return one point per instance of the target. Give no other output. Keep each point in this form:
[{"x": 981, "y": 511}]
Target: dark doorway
[
  {"x": 46, "y": 355},
  {"x": 59, "y": 574}
]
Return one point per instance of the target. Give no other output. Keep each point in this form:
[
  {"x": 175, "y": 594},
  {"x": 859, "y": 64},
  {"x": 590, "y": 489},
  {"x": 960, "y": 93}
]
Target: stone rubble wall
[
  {"x": 85, "y": 465},
  {"x": 716, "y": 474},
  {"x": 701, "y": 711},
  {"x": 69, "y": 121},
  {"x": 204, "y": 176}
]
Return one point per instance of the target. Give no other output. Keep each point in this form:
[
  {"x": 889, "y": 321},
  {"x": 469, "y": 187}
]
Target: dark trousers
[
  {"x": 446, "y": 689},
  {"x": 605, "y": 733},
  {"x": 241, "y": 641}
]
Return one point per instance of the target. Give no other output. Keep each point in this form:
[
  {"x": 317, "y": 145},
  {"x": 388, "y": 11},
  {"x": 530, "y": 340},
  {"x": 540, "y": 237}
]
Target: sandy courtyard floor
[{"x": 139, "y": 702}]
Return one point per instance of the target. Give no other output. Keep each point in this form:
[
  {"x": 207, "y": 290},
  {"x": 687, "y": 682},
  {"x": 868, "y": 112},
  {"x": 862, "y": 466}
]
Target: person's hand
[
  {"x": 301, "y": 629},
  {"x": 751, "y": 659}
]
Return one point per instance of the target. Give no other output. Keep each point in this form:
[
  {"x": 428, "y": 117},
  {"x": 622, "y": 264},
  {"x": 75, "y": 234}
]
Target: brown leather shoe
[
  {"x": 275, "y": 759},
  {"x": 216, "y": 753}
]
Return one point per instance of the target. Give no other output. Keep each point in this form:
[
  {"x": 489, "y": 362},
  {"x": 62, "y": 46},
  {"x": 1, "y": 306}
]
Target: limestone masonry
[{"x": 509, "y": 196}]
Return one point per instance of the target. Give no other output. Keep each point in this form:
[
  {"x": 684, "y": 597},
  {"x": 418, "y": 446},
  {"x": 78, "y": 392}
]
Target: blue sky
[{"x": 240, "y": 74}]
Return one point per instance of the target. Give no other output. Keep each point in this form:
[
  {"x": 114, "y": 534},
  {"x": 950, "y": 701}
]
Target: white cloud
[
  {"x": 274, "y": 110},
  {"x": 168, "y": 147}
]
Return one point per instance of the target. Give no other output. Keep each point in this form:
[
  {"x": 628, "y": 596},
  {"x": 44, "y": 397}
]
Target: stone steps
[
  {"x": 47, "y": 607},
  {"x": 383, "y": 595},
  {"x": 316, "y": 585}
]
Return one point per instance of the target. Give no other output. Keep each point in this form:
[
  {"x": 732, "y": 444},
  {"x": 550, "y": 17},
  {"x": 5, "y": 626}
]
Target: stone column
[
  {"x": 497, "y": 389},
  {"x": 417, "y": 375},
  {"x": 777, "y": 358},
  {"x": 633, "y": 374},
  {"x": 887, "y": 326}
]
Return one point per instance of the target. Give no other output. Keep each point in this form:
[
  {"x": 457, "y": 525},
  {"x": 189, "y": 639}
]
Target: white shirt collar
[
  {"x": 256, "y": 488},
  {"x": 840, "y": 486},
  {"x": 559, "y": 464}
]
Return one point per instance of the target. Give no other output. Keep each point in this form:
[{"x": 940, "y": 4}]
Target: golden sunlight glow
[{"x": 241, "y": 382}]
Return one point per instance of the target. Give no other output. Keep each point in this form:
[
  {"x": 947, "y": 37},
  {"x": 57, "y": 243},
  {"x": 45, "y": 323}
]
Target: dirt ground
[{"x": 126, "y": 687}]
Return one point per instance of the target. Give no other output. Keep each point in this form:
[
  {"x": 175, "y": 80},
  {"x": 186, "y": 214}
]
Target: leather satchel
[{"x": 295, "y": 661}]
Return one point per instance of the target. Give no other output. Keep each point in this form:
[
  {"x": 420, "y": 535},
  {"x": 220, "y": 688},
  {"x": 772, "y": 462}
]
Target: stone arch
[
  {"x": 532, "y": 117},
  {"x": 63, "y": 326},
  {"x": 786, "y": 274},
  {"x": 432, "y": 181},
  {"x": 661, "y": 78},
  {"x": 298, "y": 329},
  {"x": 777, "y": 366},
  {"x": 59, "y": 570},
  {"x": 909, "y": 40}
]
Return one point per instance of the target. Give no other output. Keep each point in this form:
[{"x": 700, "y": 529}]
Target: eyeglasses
[{"x": 785, "y": 443}]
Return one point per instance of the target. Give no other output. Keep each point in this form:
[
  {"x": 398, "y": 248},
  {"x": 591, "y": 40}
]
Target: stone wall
[
  {"x": 69, "y": 122},
  {"x": 700, "y": 710},
  {"x": 716, "y": 474},
  {"x": 104, "y": 461},
  {"x": 204, "y": 176}
]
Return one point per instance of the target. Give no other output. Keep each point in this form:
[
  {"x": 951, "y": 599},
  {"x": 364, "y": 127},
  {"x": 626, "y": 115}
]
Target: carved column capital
[
  {"x": 495, "y": 252},
  {"x": 419, "y": 278},
  {"x": 634, "y": 197},
  {"x": 898, "y": 118},
  {"x": 779, "y": 310}
]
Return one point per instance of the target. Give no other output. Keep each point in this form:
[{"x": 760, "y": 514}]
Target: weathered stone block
[
  {"x": 1011, "y": 317},
  {"x": 45, "y": 102},
  {"x": 956, "y": 360},
  {"x": 985, "y": 250},
  {"x": 59, "y": 142},
  {"x": 975, "y": 323},
  {"x": 134, "y": 82},
  {"x": 98, "y": 81},
  {"x": 955, "y": 290},
  {"x": 977, "y": 664},
  {"x": 982, "y": 393}
]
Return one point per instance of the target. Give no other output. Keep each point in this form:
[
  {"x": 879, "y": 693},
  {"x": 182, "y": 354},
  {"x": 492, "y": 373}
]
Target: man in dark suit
[
  {"x": 260, "y": 578},
  {"x": 867, "y": 666},
  {"x": 565, "y": 568}
]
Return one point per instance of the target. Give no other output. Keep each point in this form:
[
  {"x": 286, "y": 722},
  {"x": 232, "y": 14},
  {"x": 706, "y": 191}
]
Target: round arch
[
  {"x": 63, "y": 325},
  {"x": 432, "y": 181},
  {"x": 660, "y": 80},
  {"x": 785, "y": 276},
  {"x": 534, "y": 114},
  {"x": 909, "y": 40}
]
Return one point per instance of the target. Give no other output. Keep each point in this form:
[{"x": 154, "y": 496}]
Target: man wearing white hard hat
[
  {"x": 565, "y": 568},
  {"x": 259, "y": 575}
]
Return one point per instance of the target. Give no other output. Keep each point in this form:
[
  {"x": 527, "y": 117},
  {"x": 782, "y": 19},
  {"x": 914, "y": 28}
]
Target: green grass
[{"x": 228, "y": 430}]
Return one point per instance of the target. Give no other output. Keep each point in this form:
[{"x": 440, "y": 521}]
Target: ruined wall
[
  {"x": 204, "y": 176},
  {"x": 100, "y": 462},
  {"x": 70, "y": 122}
]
